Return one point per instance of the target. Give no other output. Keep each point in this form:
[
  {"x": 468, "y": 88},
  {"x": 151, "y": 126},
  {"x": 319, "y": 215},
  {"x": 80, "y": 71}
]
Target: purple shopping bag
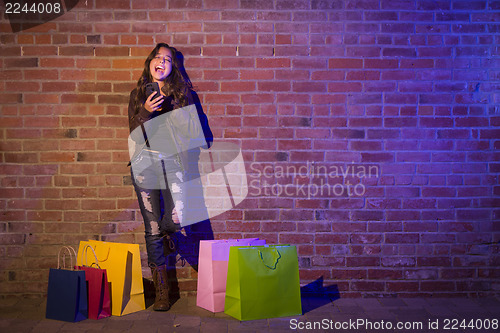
[{"x": 212, "y": 271}]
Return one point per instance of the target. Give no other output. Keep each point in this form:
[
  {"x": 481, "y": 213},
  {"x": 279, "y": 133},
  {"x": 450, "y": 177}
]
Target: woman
[{"x": 163, "y": 67}]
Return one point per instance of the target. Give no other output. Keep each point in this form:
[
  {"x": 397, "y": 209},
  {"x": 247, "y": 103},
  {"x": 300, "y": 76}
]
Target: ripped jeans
[{"x": 157, "y": 204}]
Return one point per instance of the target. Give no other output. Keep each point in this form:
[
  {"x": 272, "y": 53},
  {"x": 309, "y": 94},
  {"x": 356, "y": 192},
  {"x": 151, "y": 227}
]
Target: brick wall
[{"x": 369, "y": 129}]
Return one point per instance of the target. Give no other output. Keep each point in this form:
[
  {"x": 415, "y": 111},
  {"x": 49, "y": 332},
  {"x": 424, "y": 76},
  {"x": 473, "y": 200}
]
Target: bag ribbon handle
[{"x": 277, "y": 259}]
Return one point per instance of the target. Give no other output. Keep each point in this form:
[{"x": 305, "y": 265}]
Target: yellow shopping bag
[{"x": 123, "y": 265}]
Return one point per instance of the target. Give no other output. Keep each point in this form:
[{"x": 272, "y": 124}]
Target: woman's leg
[
  {"x": 174, "y": 196},
  {"x": 150, "y": 206}
]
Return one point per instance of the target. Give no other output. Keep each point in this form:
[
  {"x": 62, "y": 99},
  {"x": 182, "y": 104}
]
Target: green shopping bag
[{"x": 262, "y": 282}]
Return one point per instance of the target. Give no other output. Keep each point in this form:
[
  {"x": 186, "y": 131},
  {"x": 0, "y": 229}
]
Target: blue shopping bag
[{"x": 67, "y": 291}]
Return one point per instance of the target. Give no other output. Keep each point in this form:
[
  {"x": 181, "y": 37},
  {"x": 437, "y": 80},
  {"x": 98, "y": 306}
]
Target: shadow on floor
[{"x": 320, "y": 294}]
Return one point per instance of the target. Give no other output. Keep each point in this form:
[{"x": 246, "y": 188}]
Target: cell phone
[{"x": 152, "y": 87}]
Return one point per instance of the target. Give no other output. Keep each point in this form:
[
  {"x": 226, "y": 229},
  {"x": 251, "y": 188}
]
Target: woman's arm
[{"x": 136, "y": 119}]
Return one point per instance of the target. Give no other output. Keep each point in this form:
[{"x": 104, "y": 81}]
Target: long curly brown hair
[{"x": 176, "y": 85}]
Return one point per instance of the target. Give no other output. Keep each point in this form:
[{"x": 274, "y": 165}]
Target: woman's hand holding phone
[
  {"x": 155, "y": 98},
  {"x": 153, "y": 104}
]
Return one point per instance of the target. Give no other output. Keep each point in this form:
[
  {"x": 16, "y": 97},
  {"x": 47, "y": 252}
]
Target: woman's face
[{"x": 161, "y": 65}]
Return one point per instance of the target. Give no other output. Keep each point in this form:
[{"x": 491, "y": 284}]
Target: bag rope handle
[
  {"x": 84, "y": 253},
  {"x": 107, "y": 255},
  {"x": 275, "y": 264},
  {"x": 71, "y": 251}
]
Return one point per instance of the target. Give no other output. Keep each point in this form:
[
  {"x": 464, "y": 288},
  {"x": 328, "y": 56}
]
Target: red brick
[
  {"x": 368, "y": 286},
  {"x": 273, "y": 63},
  {"x": 437, "y": 286},
  {"x": 362, "y": 261},
  {"x": 400, "y": 286},
  {"x": 21, "y": 62}
]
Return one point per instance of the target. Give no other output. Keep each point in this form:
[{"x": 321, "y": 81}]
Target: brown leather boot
[{"x": 161, "y": 288}]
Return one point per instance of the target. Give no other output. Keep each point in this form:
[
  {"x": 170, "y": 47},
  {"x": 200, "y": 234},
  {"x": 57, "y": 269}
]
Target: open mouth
[{"x": 159, "y": 68}]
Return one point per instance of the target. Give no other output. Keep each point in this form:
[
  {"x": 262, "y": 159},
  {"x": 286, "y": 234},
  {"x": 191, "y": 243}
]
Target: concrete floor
[{"x": 339, "y": 315}]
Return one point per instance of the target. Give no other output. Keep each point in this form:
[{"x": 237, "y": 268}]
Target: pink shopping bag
[{"x": 212, "y": 270}]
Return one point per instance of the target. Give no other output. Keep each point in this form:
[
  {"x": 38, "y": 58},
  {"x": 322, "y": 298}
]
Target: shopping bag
[
  {"x": 263, "y": 282},
  {"x": 122, "y": 263},
  {"x": 67, "y": 290},
  {"x": 212, "y": 271},
  {"x": 97, "y": 286}
]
